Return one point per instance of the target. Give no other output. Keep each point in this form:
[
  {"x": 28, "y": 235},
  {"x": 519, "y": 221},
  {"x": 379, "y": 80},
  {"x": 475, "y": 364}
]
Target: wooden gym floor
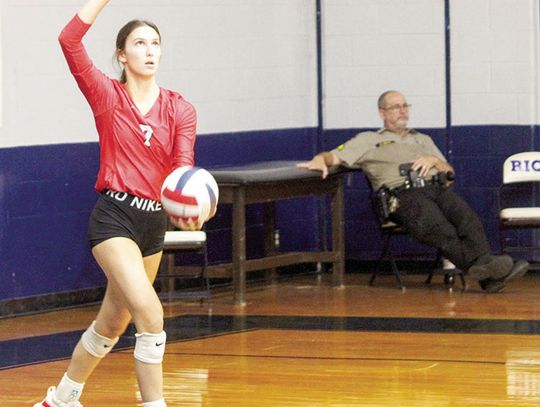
[{"x": 301, "y": 342}]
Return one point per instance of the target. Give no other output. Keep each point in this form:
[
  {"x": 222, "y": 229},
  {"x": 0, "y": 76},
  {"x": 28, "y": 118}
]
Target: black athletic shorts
[{"x": 119, "y": 214}]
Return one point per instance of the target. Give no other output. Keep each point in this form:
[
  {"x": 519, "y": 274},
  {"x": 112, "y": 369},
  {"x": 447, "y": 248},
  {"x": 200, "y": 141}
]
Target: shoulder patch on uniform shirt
[
  {"x": 341, "y": 147},
  {"x": 384, "y": 143}
]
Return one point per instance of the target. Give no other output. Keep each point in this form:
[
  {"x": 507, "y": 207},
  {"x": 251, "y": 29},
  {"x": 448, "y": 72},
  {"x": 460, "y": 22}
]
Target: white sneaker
[{"x": 50, "y": 401}]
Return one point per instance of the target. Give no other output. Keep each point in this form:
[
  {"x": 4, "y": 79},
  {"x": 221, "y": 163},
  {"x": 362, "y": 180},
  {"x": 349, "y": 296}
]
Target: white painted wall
[
  {"x": 375, "y": 45},
  {"x": 244, "y": 64},
  {"x": 251, "y": 64},
  {"x": 495, "y": 76}
]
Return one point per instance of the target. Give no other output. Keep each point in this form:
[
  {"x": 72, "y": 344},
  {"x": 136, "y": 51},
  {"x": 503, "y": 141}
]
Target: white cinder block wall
[
  {"x": 374, "y": 45},
  {"x": 250, "y": 64},
  {"x": 494, "y": 47},
  {"x": 245, "y": 64}
]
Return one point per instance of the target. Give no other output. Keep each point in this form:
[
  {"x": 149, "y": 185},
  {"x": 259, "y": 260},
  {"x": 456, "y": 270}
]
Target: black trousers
[{"x": 439, "y": 217}]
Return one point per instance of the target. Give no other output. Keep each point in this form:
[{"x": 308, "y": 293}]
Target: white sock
[
  {"x": 157, "y": 403},
  {"x": 68, "y": 390},
  {"x": 447, "y": 264}
]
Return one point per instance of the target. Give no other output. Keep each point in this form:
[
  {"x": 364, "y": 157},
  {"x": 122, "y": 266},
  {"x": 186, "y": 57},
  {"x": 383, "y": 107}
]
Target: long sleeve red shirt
[{"x": 137, "y": 151}]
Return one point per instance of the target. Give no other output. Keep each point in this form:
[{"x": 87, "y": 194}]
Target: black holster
[{"x": 382, "y": 203}]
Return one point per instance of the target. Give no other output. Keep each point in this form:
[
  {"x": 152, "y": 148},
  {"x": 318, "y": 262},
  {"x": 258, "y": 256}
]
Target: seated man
[{"x": 430, "y": 211}]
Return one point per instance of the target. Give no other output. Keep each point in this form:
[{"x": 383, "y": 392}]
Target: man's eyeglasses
[{"x": 395, "y": 108}]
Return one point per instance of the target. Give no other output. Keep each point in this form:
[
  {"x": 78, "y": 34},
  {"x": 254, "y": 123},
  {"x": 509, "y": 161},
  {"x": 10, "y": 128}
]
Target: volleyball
[{"x": 190, "y": 193}]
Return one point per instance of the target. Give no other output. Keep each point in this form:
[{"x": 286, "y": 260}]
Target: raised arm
[
  {"x": 94, "y": 84},
  {"x": 90, "y": 10}
]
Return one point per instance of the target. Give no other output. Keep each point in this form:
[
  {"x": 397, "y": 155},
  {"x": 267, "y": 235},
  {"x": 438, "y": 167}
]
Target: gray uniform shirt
[{"x": 379, "y": 154}]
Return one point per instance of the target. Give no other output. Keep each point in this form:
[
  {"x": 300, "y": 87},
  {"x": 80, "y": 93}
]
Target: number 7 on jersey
[{"x": 148, "y": 133}]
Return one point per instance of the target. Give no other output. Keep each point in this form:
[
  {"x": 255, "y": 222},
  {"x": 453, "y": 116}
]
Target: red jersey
[{"x": 137, "y": 151}]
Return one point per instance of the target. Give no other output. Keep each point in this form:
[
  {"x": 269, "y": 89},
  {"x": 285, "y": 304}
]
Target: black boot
[
  {"x": 490, "y": 266},
  {"x": 492, "y": 285}
]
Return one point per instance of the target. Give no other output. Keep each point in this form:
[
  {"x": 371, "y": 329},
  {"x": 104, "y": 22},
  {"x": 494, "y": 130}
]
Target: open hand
[
  {"x": 315, "y": 165},
  {"x": 424, "y": 164},
  {"x": 186, "y": 224}
]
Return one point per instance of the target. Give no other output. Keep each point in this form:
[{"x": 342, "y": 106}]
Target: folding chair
[
  {"x": 389, "y": 230},
  {"x": 184, "y": 241},
  {"x": 519, "y": 203}
]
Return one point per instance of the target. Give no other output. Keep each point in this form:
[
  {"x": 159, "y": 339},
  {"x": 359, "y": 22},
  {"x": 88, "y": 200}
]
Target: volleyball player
[{"x": 144, "y": 132}]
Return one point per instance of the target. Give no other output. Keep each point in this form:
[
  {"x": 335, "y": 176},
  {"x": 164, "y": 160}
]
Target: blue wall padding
[{"x": 46, "y": 195}]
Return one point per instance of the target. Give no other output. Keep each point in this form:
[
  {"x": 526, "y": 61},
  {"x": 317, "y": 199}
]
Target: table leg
[
  {"x": 270, "y": 238},
  {"x": 167, "y": 268},
  {"x": 239, "y": 245},
  {"x": 338, "y": 234}
]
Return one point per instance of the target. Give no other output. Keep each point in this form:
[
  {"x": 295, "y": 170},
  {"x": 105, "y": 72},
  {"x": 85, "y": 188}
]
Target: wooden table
[{"x": 268, "y": 182}]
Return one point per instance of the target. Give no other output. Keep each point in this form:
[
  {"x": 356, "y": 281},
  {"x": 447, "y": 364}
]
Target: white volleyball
[{"x": 190, "y": 193}]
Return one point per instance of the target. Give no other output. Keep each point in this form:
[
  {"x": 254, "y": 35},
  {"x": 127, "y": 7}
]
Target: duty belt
[{"x": 408, "y": 185}]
